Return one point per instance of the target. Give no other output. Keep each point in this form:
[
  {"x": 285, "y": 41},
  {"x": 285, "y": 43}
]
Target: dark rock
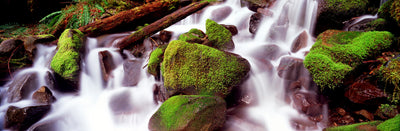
[
  {"x": 265, "y": 12},
  {"x": 132, "y": 70},
  {"x": 299, "y": 42},
  {"x": 255, "y": 21},
  {"x": 365, "y": 114},
  {"x": 8, "y": 46},
  {"x": 253, "y": 5},
  {"x": 22, "y": 118},
  {"x": 363, "y": 91},
  {"x": 231, "y": 28},
  {"x": 160, "y": 93},
  {"x": 291, "y": 68},
  {"x": 22, "y": 86},
  {"x": 165, "y": 36},
  {"x": 31, "y": 41},
  {"x": 221, "y": 13},
  {"x": 308, "y": 104},
  {"x": 43, "y": 96},
  {"x": 106, "y": 64},
  {"x": 186, "y": 112}
]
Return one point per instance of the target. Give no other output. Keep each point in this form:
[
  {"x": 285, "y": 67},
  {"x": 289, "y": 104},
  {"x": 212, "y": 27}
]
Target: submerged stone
[
  {"x": 199, "y": 69},
  {"x": 43, "y": 96},
  {"x": 22, "y": 86},
  {"x": 22, "y": 118},
  {"x": 190, "y": 113}
]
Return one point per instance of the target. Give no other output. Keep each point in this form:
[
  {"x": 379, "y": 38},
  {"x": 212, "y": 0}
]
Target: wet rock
[
  {"x": 363, "y": 91},
  {"x": 300, "y": 42},
  {"x": 165, "y": 36},
  {"x": 8, "y": 46},
  {"x": 253, "y": 5},
  {"x": 255, "y": 21},
  {"x": 195, "y": 69},
  {"x": 365, "y": 114},
  {"x": 43, "y": 96},
  {"x": 66, "y": 62},
  {"x": 308, "y": 104},
  {"x": 121, "y": 103},
  {"x": 22, "y": 118},
  {"x": 50, "y": 81},
  {"x": 106, "y": 64},
  {"x": 48, "y": 126},
  {"x": 291, "y": 68},
  {"x": 160, "y": 93},
  {"x": 31, "y": 41},
  {"x": 190, "y": 112},
  {"x": 221, "y": 13},
  {"x": 231, "y": 28},
  {"x": 132, "y": 70},
  {"x": 268, "y": 52},
  {"x": 22, "y": 86}
]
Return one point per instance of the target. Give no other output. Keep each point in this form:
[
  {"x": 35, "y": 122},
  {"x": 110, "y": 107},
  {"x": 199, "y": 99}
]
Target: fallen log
[
  {"x": 160, "y": 24},
  {"x": 128, "y": 20}
]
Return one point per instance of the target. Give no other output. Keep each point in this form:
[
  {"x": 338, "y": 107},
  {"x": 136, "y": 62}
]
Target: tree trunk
[
  {"x": 161, "y": 24},
  {"x": 128, "y": 20}
]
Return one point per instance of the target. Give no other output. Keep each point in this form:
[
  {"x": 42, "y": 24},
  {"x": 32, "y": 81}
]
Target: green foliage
[
  {"x": 390, "y": 125},
  {"x": 390, "y": 74},
  {"x": 387, "y": 109},
  {"x": 67, "y": 59},
  {"x": 208, "y": 70},
  {"x": 193, "y": 36},
  {"x": 353, "y": 127},
  {"x": 346, "y": 5},
  {"x": 337, "y": 53},
  {"x": 217, "y": 34}
]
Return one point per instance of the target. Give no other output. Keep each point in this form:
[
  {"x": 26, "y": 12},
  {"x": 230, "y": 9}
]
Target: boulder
[
  {"x": 389, "y": 75},
  {"x": 22, "y": 86},
  {"x": 8, "y": 46},
  {"x": 193, "y": 36},
  {"x": 221, "y": 13},
  {"x": 31, "y": 41},
  {"x": 336, "y": 53},
  {"x": 232, "y": 28},
  {"x": 219, "y": 36},
  {"x": 300, "y": 42},
  {"x": 268, "y": 52},
  {"x": 253, "y": 5},
  {"x": 390, "y": 10},
  {"x": 291, "y": 68},
  {"x": 386, "y": 111},
  {"x": 365, "y": 92},
  {"x": 132, "y": 70},
  {"x": 43, "y": 96},
  {"x": 190, "y": 112},
  {"x": 308, "y": 104},
  {"x": 255, "y": 21},
  {"x": 22, "y": 118},
  {"x": 196, "y": 69},
  {"x": 66, "y": 62}
]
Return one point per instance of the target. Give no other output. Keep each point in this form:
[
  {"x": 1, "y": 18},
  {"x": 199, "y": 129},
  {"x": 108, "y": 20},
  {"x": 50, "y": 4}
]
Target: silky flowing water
[{"x": 108, "y": 105}]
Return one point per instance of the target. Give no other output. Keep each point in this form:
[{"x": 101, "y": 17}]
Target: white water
[{"x": 92, "y": 108}]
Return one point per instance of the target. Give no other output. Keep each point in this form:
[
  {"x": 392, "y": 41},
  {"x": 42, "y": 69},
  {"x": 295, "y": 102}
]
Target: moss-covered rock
[
  {"x": 336, "y": 53},
  {"x": 156, "y": 57},
  {"x": 219, "y": 36},
  {"x": 191, "y": 113},
  {"x": 391, "y": 10},
  {"x": 193, "y": 36},
  {"x": 390, "y": 125},
  {"x": 199, "y": 69},
  {"x": 66, "y": 62},
  {"x": 365, "y": 126},
  {"x": 332, "y": 13}
]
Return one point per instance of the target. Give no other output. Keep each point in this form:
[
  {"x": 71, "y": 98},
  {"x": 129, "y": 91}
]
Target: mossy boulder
[
  {"x": 66, "y": 62},
  {"x": 390, "y": 125},
  {"x": 336, "y": 53},
  {"x": 332, "y": 13},
  {"x": 390, "y": 76},
  {"x": 218, "y": 35},
  {"x": 391, "y": 10},
  {"x": 190, "y": 113},
  {"x": 196, "y": 69}
]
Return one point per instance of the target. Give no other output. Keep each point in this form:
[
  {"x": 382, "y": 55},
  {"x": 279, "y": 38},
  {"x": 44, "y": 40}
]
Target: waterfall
[{"x": 109, "y": 105}]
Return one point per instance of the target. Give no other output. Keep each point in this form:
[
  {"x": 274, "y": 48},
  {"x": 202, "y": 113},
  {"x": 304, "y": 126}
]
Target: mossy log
[
  {"x": 130, "y": 19},
  {"x": 161, "y": 24}
]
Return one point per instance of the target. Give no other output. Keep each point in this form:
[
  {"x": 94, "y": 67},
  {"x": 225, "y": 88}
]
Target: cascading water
[{"x": 110, "y": 105}]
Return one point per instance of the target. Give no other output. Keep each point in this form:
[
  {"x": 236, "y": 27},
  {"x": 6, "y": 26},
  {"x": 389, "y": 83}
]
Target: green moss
[
  {"x": 353, "y": 127},
  {"x": 390, "y": 10},
  {"x": 193, "y": 111},
  {"x": 155, "y": 59},
  {"x": 217, "y": 34},
  {"x": 67, "y": 59},
  {"x": 390, "y": 125},
  {"x": 390, "y": 74},
  {"x": 209, "y": 71},
  {"x": 346, "y": 5},
  {"x": 337, "y": 53}
]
